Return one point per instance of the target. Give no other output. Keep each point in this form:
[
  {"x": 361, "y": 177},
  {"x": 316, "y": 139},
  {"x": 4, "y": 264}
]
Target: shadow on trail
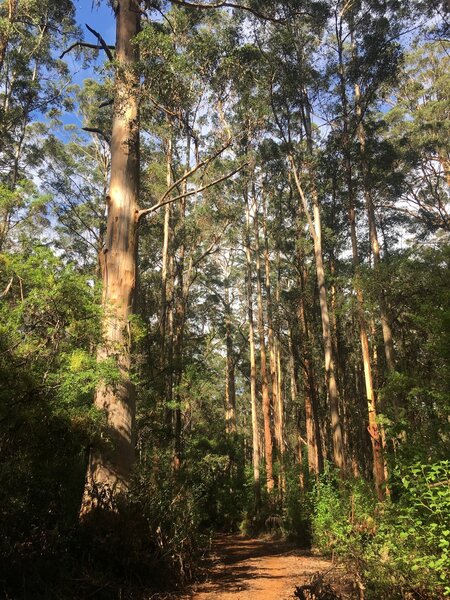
[{"x": 239, "y": 561}]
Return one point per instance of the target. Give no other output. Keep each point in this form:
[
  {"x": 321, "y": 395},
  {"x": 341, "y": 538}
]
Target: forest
[{"x": 224, "y": 291}]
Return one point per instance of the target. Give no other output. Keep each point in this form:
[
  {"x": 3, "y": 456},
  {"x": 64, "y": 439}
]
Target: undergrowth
[{"x": 399, "y": 548}]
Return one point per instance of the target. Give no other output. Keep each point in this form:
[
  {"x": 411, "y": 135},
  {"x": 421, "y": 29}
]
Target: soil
[{"x": 257, "y": 569}]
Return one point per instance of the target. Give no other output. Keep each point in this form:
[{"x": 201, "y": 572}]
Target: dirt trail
[{"x": 254, "y": 569}]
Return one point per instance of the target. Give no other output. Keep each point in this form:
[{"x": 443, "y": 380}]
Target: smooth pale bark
[
  {"x": 166, "y": 324},
  {"x": 109, "y": 470},
  {"x": 280, "y": 385},
  {"x": 294, "y": 402},
  {"x": 293, "y": 387},
  {"x": 315, "y": 230},
  {"x": 377, "y": 455},
  {"x": 230, "y": 382},
  {"x": 251, "y": 340},
  {"x": 263, "y": 362},
  {"x": 334, "y": 328},
  {"x": 167, "y": 289},
  {"x": 169, "y": 379},
  {"x": 165, "y": 256}
]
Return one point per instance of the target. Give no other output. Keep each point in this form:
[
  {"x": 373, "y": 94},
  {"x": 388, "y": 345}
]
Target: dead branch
[
  {"x": 102, "y": 43},
  {"x": 106, "y": 103},
  {"x": 80, "y": 45},
  {"x": 97, "y": 131}
]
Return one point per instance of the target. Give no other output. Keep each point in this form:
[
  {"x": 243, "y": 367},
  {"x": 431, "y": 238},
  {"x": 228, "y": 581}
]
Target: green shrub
[{"x": 399, "y": 547}]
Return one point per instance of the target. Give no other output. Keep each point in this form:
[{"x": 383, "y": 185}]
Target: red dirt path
[{"x": 256, "y": 569}]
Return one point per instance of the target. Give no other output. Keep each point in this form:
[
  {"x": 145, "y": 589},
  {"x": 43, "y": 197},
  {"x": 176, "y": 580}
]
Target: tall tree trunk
[
  {"x": 181, "y": 294},
  {"x": 165, "y": 257},
  {"x": 230, "y": 384},
  {"x": 314, "y": 440},
  {"x": 263, "y": 360},
  {"x": 378, "y": 462},
  {"x": 109, "y": 470},
  {"x": 315, "y": 229},
  {"x": 375, "y": 246},
  {"x": 271, "y": 342},
  {"x": 251, "y": 339},
  {"x": 166, "y": 329},
  {"x": 279, "y": 405},
  {"x": 377, "y": 454}
]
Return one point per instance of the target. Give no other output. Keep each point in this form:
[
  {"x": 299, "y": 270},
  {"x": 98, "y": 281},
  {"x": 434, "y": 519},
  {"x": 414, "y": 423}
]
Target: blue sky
[{"x": 100, "y": 18}]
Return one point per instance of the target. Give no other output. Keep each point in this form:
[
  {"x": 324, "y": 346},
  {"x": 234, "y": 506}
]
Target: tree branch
[
  {"x": 106, "y": 103},
  {"x": 298, "y": 184},
  {"x": 102, "y": 43},
  {"x": 210, "y": 248},
  {"x": 151, "y": 209},
  {"x": 226, "y": 4},
  {"x": 176, "y": 115},
  {"x": 198, "y": 166},
  {"x": 6, "y": 290},
  {"x": 81, "y": 45},
  {"x": 96, "y": 130}
]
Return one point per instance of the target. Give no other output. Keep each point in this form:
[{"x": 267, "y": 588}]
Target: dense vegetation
[{"x": 272, "y": 350}]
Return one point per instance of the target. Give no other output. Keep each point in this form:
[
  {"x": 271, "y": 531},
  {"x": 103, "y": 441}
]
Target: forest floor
[{"x": 257, "y": 569}]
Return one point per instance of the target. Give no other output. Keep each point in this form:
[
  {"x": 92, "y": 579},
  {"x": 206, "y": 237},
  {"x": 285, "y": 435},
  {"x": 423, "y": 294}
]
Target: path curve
[{"x": 256, "y": 569}]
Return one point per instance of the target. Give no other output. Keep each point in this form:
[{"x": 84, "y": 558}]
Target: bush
[{"x": 399, "y": 547}]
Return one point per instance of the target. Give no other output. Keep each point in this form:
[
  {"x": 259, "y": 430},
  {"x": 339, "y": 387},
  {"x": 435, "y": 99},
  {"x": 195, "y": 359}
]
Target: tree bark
[
  {"x": 181, "y": 297},
  {"x": 313, "y": 434},
  {"x": 375, "y": 438},
  {"x": 251, "y": 339},
  {"x": 272, "y": 344},
  {"x": 230, "y": 385},
  {"x": 165, "y": 256},
  {"x": 279, "y": 406},
  {"x": 315, "y": 229},
  {"x": 263, "y": 361},
  {"x": 109, "y": 470},
  {"x": 375, "y": 246}
]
